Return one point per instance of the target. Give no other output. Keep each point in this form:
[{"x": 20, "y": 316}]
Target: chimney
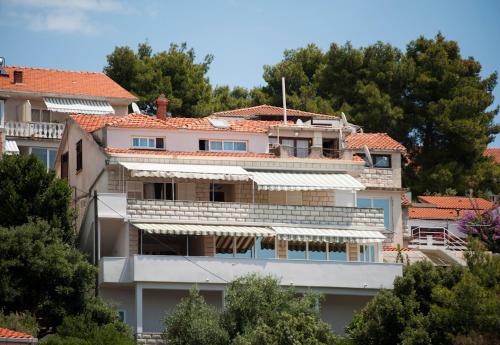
[
  {"x": 18, "y": 77},
  {"x": 161, "y": 107}
]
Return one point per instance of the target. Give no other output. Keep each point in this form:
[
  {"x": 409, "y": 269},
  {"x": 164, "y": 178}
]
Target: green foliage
[
  {"x": 98, "y": 324},
  {"x": 194, "y": 322},
  {"x": 20, "y": 321},
  {"x": 32, "y": 256},
  {"x": 257, "y": 311},
  {"x": 28, "y": 191},
  {"x": 431, "y": 305}
]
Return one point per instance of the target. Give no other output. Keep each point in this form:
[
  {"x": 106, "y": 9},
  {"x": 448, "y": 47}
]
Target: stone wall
[
  {"x": 373, "y": 177},
  {"x": 224, "y": 213},
  {"x": 149, "y": 339}
]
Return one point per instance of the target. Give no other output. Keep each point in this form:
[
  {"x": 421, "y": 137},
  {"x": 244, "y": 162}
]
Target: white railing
[
  {"x": 46, "y": 130},
  {"x": 436, "y": 237}
]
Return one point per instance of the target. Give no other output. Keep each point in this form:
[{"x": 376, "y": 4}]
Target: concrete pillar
[{"x": 138, "y": 308}]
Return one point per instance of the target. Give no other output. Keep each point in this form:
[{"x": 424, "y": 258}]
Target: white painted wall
[
  {"x": 184, "y": 140},
  {"x": 338, "y": 310}
]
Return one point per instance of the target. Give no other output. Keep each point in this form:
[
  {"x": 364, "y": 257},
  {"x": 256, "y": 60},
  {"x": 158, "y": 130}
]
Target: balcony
[
  {"x": 42, "y": 130},
  {"x": 213, "y": 270}
]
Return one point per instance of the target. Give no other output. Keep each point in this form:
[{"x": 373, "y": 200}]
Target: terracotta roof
[
  {"x": 455, "y": 202},
  {"x": 269, "y": 110},
  {"x": 434, "y": 213},
  {"x": 380, "y": 141},
  {"x": 394, "y": 249},
  {"x": 196, "y": 153},
  {"x": 93, "y": 122},
  {"x": 493, "y": 152},
  {"x": 9, "y": 334},
  {"x": 91, "y": 84}
]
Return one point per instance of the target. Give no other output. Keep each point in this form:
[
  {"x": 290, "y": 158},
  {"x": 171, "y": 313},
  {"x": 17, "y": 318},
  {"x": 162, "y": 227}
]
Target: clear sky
[{"x": 242, "y": 35}]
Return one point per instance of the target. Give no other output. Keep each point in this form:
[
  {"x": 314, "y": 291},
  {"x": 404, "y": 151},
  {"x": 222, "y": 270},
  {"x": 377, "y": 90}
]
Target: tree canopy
[
  {"x": 257, "y": 310},
  {"x": 428, "y": 97}
]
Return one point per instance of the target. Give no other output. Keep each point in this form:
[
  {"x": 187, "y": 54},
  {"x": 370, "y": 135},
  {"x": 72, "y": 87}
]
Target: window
[
  {"x": 160, "y": 191},
  {"x": 39, "y": 115},
  {"x": 223, "y": 145},
  {"x": 122, "y": 315},
  {"x": 64, "y": 165},
  {"x": 47, "y": 156},
  {"x": 203, "y": 145},
  {"x": 297, "y": 250},
  {"x": 221, "y": 192},
  {"x": 148, "y": 143},
  {"x": 379, "y": 161},
  {"x": 265, "y": 248},
  {"x": 337, "y": 252},
  {"x": 367, "y": 252},
  {"x": 295, "y": 147},
  {"x": 384, "y": 204},
  {"x": 79, "y": 156}
]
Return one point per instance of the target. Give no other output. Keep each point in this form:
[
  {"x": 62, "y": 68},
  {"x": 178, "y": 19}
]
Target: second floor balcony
[{"x": 40, "y": 130}]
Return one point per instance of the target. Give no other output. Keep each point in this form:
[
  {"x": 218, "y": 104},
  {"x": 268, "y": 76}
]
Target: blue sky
[{"x": 242, "y": 35}]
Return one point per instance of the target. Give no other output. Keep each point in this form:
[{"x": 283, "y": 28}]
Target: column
[{"x": 138, "y": 308}]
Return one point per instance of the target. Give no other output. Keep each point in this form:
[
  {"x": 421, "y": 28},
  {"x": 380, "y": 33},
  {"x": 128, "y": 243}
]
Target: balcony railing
[
  {"x": 212, "y": 270},
  {"x": 45, "y": 130}
]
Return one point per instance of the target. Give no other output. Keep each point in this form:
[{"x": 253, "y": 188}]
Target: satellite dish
[
  {"x": 344, "y": 119},
  {"x": 299, "y": 122},
  {"x": 135, "y": 108},
  {"x": 2, "y": 61},
  {"x": 368, "y": 156}
]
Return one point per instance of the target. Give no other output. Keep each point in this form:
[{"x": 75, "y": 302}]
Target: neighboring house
[
  {"x": 9, "y": 337},
  {"x": 493, "y": 152},
  {"x": 433, "y": 223},
  {"x": 35, "y": 102},
  {"x": 201, "y": 201}
]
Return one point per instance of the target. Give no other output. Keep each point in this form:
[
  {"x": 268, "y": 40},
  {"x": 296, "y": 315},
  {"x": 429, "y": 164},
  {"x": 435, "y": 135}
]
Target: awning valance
[
  {"x": 191, "y": 171},
  {"x": 328, "y": 235},
  {"x": 11, "y": 147},
  {"x": 291, "y": 181},
  {"x": 80, "y": 106},
  {"x": 204, "y": 230}
]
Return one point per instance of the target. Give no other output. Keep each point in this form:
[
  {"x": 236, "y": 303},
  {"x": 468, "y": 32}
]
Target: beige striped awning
[
  {"x": 328, "y": 235},
  {"x": 204, "y": 230},
  {"x": 297, "y": 181}
]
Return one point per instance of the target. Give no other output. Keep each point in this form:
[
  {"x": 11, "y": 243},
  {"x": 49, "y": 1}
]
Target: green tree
[
  {"x": 193, "y": 322},
  {"x": 42, "y": 274},
  {"x": 20, "y": 321},
  {"x": 28, "y": 191},
  {"x": 98, "y": 324}
]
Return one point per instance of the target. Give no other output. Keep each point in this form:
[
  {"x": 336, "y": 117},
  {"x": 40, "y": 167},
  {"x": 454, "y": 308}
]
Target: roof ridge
[{"x": 54, "y": 69}]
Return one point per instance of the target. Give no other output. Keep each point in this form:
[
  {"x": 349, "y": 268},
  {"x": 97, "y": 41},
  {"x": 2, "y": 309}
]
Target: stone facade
[
  {"x": 149, "y": 339},
  {"x": 373, "y": 177},
  {"x": 226, "y": 213}
]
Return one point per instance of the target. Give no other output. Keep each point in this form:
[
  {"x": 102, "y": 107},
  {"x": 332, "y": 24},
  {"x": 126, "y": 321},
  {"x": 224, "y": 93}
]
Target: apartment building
[
  {"x": 170, "y": 203},
  {"x": 35, "y": 102}
]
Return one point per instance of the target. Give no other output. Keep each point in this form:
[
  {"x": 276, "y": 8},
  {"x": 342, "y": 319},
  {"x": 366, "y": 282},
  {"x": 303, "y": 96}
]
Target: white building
[
  {"x": 35, "y": 102},
  {"x": 185, "y": 202}
]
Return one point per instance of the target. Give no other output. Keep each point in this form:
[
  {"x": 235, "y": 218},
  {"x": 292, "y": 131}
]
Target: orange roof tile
[
  {"x": 394, "y": 249},
  {"x": 91, "y": 84},
  {"x": 92, "y": 123},
  {"x": 10, "y": 334},
  {"x": 493, "y": 152},
  {"x": 380, "y": 141},
  {"x": 269, "y": 110},
  {"x": 456, "y": 202},
  {"x": 196, "y": 153},
  {"x": 434, "y": 213}
]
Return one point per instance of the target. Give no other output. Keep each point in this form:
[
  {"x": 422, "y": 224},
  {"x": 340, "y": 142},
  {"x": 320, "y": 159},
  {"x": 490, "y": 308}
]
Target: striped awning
[
  {"x": 80, "y": 106},
  {"x": 291, "y": 181},
  {"x": 190, "y": 171},
  {"x": 204, "y": 230},
  {"x": 328, "y": 235},
  {"x": 11, "y": 147}
]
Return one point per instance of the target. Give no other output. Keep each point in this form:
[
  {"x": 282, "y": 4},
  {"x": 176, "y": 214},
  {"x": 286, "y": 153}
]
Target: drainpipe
[{"x": 96, "y": 242}]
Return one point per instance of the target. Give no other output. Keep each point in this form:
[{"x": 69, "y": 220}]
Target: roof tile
[
  {"x": 380, "y": 141},
  {"x": 90, "y": 84},
  {"x": 456, "y": 202},
  {"x": 189, "y": 153},
  {"x": 10, "y": 334},
  {"x": 493, "y": 152},
  {"x": 269, "y": 110}
]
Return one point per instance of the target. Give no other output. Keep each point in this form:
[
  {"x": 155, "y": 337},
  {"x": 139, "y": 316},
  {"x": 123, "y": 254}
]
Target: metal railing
[
  {"x": 436, "y": 237},
  {"x": 302, "y": 152},
  {"x": 45, "y": 130}
]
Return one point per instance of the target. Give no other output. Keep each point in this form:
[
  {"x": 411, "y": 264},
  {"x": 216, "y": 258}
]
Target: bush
[{"x": 20, "y": 321}]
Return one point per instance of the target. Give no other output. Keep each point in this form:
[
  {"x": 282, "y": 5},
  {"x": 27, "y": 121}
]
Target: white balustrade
[{"x": 45, "y": 130}]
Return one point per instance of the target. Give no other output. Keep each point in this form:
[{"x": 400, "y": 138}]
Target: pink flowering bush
[{"x": 484, "y": 226}]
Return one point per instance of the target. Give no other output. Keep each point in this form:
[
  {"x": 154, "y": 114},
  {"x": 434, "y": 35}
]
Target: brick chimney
[
  {"x": 18, "y": 77},
  {"x": 161, "y": 107}
]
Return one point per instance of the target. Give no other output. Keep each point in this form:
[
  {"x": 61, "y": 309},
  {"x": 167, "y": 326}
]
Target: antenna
[
  {"x": 284, "y": 98},
  {"x": 368, "y": 156}
]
